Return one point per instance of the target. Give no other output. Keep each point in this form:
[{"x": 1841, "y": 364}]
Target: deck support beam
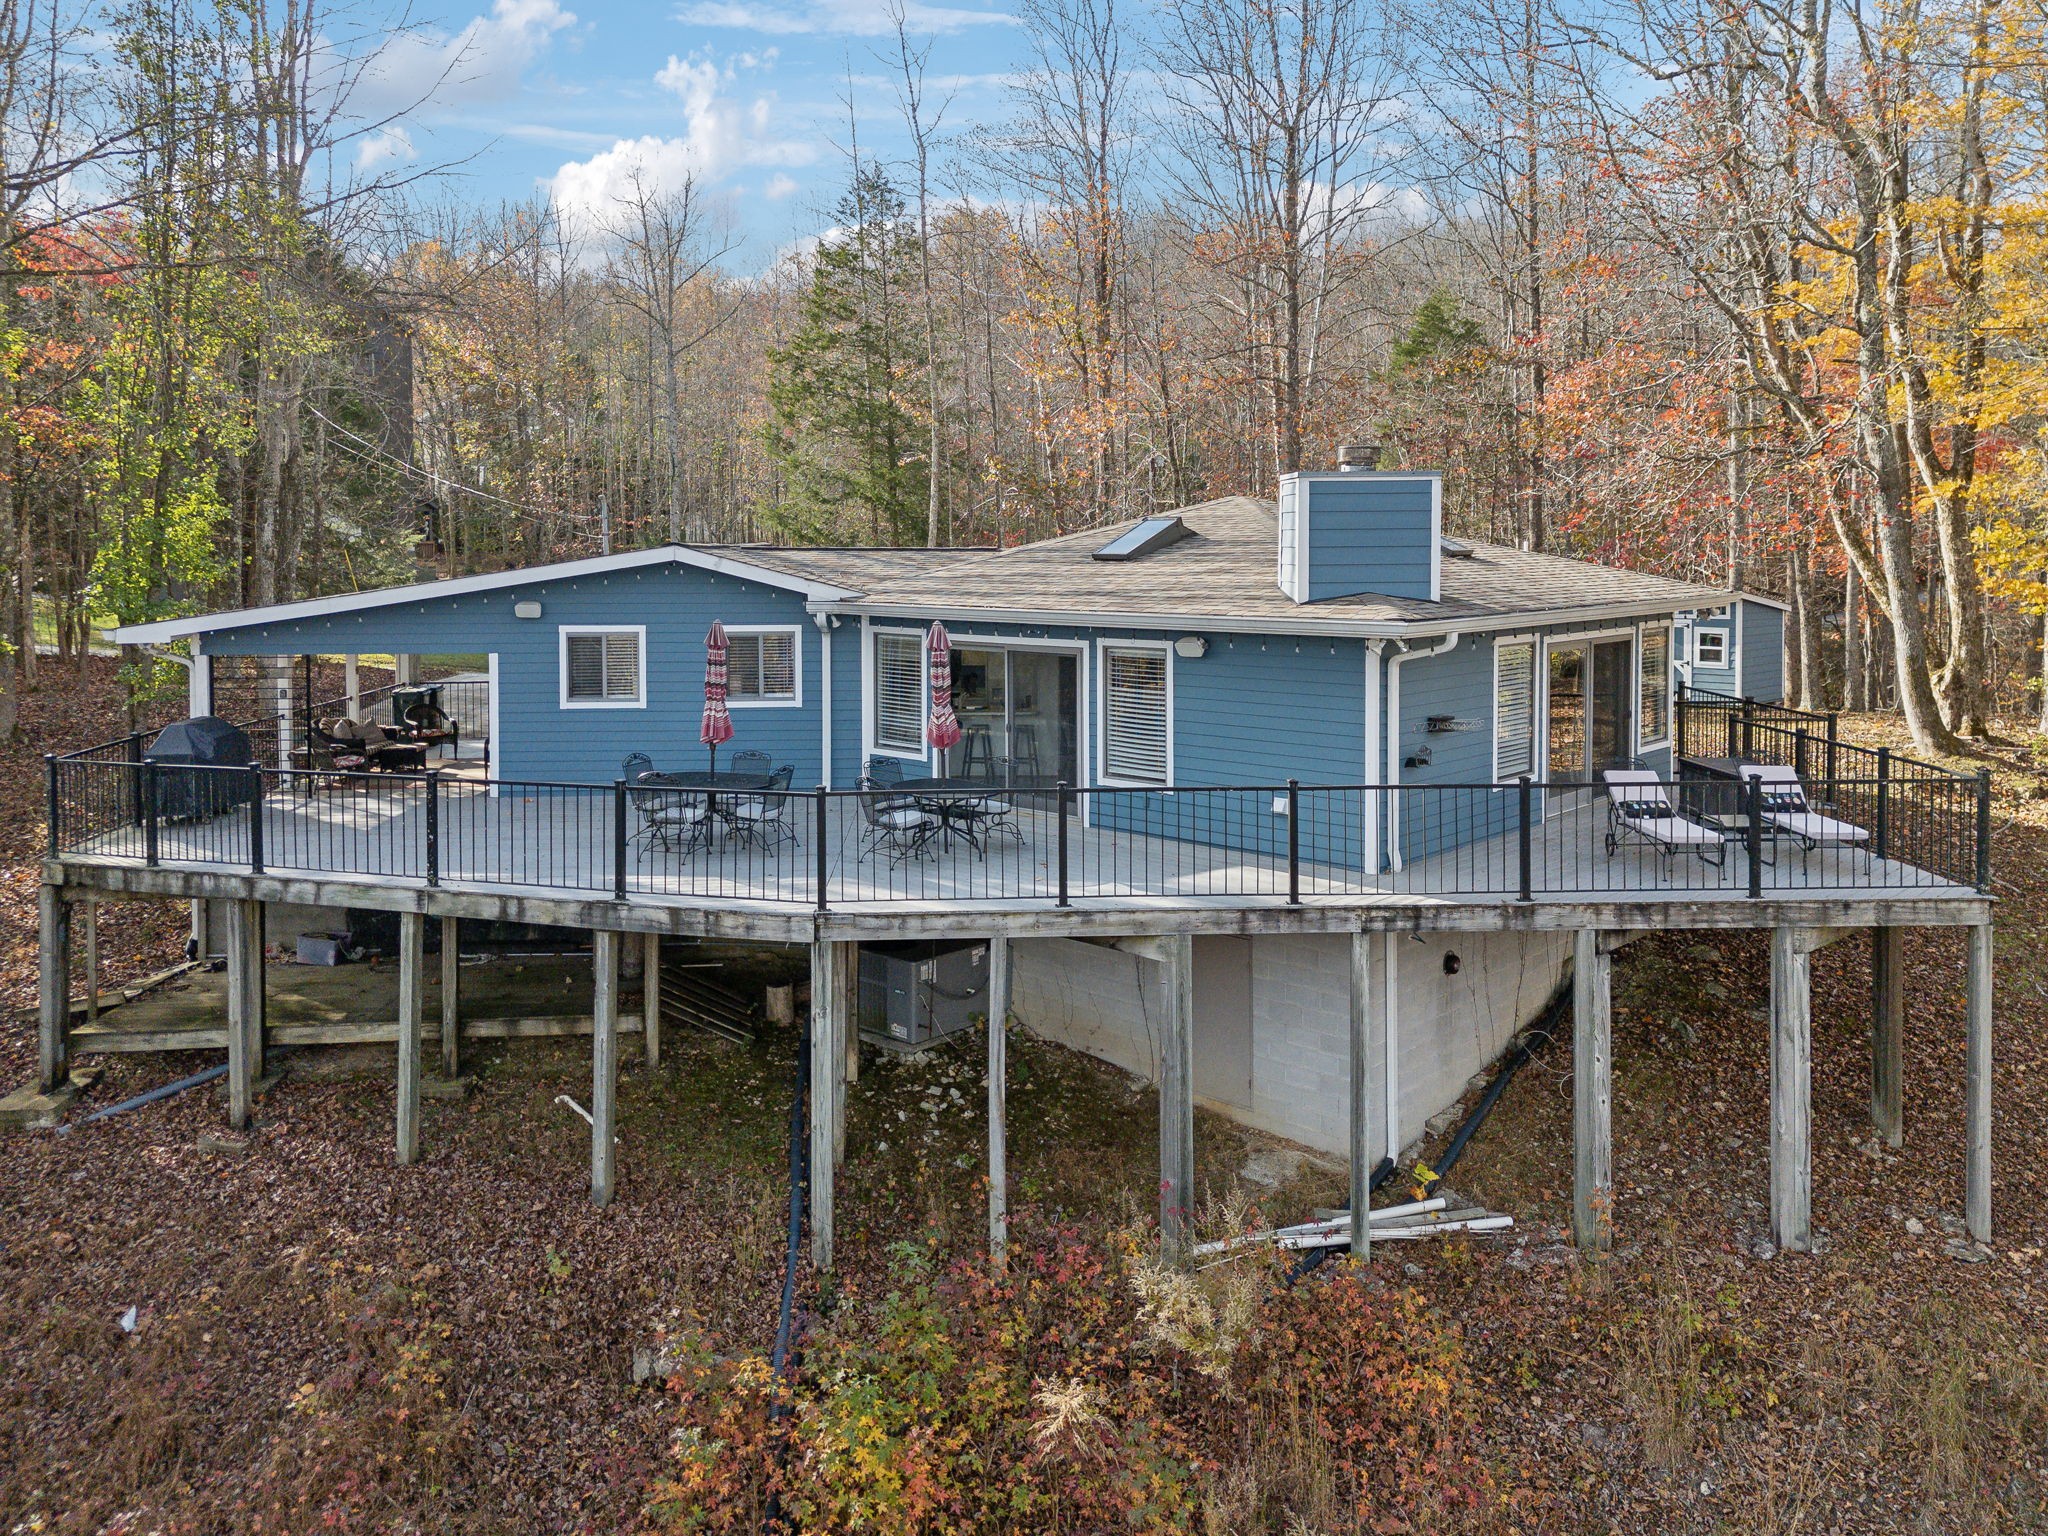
[
  {"x": 1977, "y": 1109},
  {"x": 827, "y": 1069},
  {"x": 998, "y": 1094},
  {"x": 604, "y": 1065},
  {"x": 846, "y": 976},
  {"x": 1362, "y": 945},
  {"x": 1177, "y": 1096},
  {"x": 1592, "y": 1091},
  {"x": 451, "y": 998},
  {"x": 53, "y": 1029},
  {"x": 650, "y": 999},
  {"x": 92, "y": 962},
  {"x": 1888, "y": 1033},
  {"x": 412, "y": 965},
  {"x": 246, "y": 986},
  {"x": 1792, "y": 1089}
]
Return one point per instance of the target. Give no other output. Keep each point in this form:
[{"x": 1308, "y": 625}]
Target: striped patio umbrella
[
  {"x": 717, "y": 719},
  {"x": 943, "y": 729}
]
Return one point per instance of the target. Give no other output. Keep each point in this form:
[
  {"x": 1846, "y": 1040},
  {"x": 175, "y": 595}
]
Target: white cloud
[
  {"x": 482, "y": 62},
  {"x": 390, "y": 143},
  {"x": 721, "y": 133},
  {"x": 779, "y": 186},
  {"x": 857, "y": 18}
]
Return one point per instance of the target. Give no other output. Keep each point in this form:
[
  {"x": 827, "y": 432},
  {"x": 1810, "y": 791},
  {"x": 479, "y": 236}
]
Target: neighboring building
[{"x": 1735, "y": 648}]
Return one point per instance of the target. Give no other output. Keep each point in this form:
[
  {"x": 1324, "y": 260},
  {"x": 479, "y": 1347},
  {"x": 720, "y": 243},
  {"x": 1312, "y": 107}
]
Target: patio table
[
  {"x": 958, "y": 800},
  {"x": 714, "y": 784}
]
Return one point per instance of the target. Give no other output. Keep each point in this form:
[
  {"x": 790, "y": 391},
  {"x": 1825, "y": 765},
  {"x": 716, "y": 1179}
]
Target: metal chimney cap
[{"x": 1358, "y": 456}]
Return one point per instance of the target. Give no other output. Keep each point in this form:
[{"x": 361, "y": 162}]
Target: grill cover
[{"x": 207, "y": 742}]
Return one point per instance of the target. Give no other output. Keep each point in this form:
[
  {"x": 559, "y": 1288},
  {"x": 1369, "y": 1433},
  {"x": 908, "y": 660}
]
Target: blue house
[{"x": 1295, "y": 806}]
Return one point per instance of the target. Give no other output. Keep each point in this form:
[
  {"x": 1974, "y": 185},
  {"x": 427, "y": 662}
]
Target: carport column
[
  {"x": 825, "y": 1071},
  {"x": 650, "y": 999},
  {"x": 451, "y": 997},
  {"x": 604, "y": 1064},
  {"x": 1361, "y": 1094},
  {"x": 1888, "y": 1033},
  {"x": 412, "y": 962},
  {"x": 998, "y": 1093},
  {"x": 1977, "y": 1111},
  {"x": 1791, "y": 1088},
  {"x": 1177, "y": 1095},
  {"x": 53, "y": 1033},
  {"x": 1592, "y": 1092}
]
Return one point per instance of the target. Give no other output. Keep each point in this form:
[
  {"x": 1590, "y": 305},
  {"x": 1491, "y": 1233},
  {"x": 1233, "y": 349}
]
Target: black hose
[
  {"x": 1525, "y": 1046},
  {"x": 786, "y": 1338}
]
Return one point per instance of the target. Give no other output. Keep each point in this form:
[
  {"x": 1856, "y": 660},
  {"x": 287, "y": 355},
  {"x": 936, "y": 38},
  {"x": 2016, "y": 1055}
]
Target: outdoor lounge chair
[
  {"x": 1787, "y": 814},
  {"x": 1640, "y": 813},
  {"x": 901, "y": 828}
]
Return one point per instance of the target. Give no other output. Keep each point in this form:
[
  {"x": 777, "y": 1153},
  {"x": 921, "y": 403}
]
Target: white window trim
[
  {"x": 1650, "y": 743},
  {"x": 1103, "y": 647},
  {"x": 1536, "y": 701},
  {"x": 1560, "y": 640},
  {"x": 796, "y": 635},
  {"x": 869, "y": 696},
  {"x": 1727, "y": 638},
  {"x": 564, "y": 631}
]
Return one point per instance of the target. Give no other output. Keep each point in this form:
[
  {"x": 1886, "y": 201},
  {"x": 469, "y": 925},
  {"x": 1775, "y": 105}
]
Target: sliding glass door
[
  {"x": 1588, "y": 725},
  {"x": 1020, "y": 714}
]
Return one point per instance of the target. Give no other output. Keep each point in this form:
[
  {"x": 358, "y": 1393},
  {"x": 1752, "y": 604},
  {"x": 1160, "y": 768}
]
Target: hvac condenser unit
[{"x": 915, "y": 993}]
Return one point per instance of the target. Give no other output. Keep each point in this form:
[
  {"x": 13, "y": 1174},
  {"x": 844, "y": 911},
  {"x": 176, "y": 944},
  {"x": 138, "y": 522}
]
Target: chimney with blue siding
[{"x": 1361, "y": 531}]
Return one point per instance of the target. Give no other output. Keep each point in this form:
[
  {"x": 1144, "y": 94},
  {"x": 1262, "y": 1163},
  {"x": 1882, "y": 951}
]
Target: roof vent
[
  {"x": 1142, "y": 539},
  {"x": 1359, "y": 456},
  {"x": 1455, "y": 549}
]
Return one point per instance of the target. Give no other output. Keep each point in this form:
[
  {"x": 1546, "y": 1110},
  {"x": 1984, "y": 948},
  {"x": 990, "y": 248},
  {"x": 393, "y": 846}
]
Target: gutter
[{"x": 1394, "y": 664}]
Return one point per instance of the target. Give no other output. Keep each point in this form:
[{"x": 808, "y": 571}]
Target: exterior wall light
[
  {"x": 1191, "y": 646},
  {"x": 526, "y": 608}
]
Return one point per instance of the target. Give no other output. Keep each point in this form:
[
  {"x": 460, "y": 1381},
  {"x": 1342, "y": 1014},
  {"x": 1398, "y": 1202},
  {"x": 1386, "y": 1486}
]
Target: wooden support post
[
  {"x": 604, "y": 1065},
  {"x": 1791, "y": 1090},
  {"x": 412, "y": 963},
  {"x": 243, "y": 956},
  {"x": 825, "y": 1071},
  {"x": 1177, "y": 1096},
  {"x": 1888, "y": 1033},
  {"x": 259, "y": 991},
  {"x": 1592, "y": 1093},
  {"x": 1361, "y": 1095},
  {"x": 846, "y": 976},
  {"x": 650, "y": 1000},
  {"x": 53, "y": 1035},
  {"x": 1977, "y": 1111},
  {"x": 451, "y": 998},
  {"x": 92, "y": 961},
  {"x": 998, "y": 1094}
]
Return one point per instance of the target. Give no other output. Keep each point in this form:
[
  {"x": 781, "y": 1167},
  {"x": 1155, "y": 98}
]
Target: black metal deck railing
[{"x": 1892, "y": 830}]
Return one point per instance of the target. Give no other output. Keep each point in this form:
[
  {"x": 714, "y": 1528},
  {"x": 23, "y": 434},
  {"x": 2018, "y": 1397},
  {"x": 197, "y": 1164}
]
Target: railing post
[
  {"x": 149, "y": 820},
  {"x": 135, "y": 779},
  {"x": 1984, "y": 830},
  {"x": 1525, "y": 796},
  {"x": 820, "y": 820},
  {"x": 1294, "y": 842},
  {"x": 1884, "y": 801},
  {"x": 1834, "y": 726},
  {"x": 1066, "y": 804},
  {"x": 256, "y": 818},
  {"x": 1679, "y": 718},
  {"x": 1799, "y": 753},
  {"x": 1753, "y": 832},
  {"x": 50, "y": 800},
  {"x": 618, "y": 839},
  {"x": 433, "y": 829},
  {"x": 1749, "y": 728}
]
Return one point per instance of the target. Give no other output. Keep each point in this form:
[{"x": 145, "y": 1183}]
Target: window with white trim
[
  {"x": 899, "y": 693},
  {"x": 1710, "y": 647},
  {"x": 761, "y": 666},
  {"x": 1653, "y": 706},
  {"x": 1514, "y": 709},
  {"x": 1136, "y": 715},
  {"x": 604, "y": 668}
]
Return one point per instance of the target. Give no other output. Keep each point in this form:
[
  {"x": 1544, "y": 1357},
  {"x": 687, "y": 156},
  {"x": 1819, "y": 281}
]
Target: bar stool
[
  {"x": 1024, "y": 748},
  {"x": 978, "y": 754}
]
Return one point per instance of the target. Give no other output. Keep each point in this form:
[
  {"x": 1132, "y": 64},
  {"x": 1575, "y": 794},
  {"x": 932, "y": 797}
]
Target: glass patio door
[
  {"x": 1019, "y": 713},
  {"x": 1588, "y": 725}
]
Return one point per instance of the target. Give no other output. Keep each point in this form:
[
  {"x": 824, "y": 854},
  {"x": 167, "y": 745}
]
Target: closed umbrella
[
  {"x": 717, "y": 718},
  {"x": 943, "y": 729}
]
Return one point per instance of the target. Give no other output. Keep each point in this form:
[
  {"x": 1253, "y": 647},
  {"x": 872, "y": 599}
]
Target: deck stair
[{"x": 690, "y": 995}]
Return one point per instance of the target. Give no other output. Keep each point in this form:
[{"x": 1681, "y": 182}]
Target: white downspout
[
  {"x": 1450, "y": 641},
  {"x": 824, "y": 622},
  {"x": 1370, "y": 812}
]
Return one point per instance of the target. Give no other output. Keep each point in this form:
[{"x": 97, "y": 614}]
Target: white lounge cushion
[
  {"x": 1673, "y": 829},
  {"x": 1785, "y": 807}
]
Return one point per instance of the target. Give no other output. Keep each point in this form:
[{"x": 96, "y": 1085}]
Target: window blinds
[
  {"x": 761, "y": 666},
  {"x": 1655, "y": 708},
  {"x": 604, "y": 667},
  {"x": 1514, "y": 709},
  {"x": 899, "y": 692},
  {"x": 1134, "y": 715}
]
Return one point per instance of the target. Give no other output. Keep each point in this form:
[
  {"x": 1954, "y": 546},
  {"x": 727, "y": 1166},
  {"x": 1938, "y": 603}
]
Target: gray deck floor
[{"x": 562, "y": 841}]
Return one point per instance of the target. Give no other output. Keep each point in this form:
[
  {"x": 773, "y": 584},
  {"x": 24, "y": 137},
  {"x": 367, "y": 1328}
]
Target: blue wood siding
[
  {"x": 1762, "y": 662},
  {"x": 1369, "y": 533},
  {"x": 537, "y": 738}
]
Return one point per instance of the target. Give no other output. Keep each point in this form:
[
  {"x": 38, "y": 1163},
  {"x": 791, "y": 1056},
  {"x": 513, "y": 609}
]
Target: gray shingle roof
[{"x": 1227, "y": 572}]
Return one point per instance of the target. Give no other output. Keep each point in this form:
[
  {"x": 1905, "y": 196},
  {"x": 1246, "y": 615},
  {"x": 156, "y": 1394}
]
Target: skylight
[
  {"x": 1154, "y": 533},
  {"x": 1456, "y": 549}
]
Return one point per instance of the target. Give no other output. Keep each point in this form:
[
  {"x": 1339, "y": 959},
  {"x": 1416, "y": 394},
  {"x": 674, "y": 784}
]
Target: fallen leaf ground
[{"x": 449, "y": 1347}]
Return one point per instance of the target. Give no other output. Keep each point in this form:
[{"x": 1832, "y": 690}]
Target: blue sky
[{"x": 555, "y": 96}]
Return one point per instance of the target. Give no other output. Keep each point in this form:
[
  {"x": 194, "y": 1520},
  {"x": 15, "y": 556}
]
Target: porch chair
[
  {"x": 636, "y": 763},
  {"x": 673, "y": 820},
  {"x": 997, "y": 813},
  {"x": 900, "y": 827},
  {"x": 751, "y": 762},
  {"x": 1787, "y": 814},
  {"x": 764, "y": 819},
  {"x": 1640, "y": 813}
]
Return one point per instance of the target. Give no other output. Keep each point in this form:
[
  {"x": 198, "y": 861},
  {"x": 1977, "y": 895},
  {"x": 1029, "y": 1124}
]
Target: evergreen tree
[
  {"x": 1442, "y": 335},
  {"x": 840, "y": 428}
]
